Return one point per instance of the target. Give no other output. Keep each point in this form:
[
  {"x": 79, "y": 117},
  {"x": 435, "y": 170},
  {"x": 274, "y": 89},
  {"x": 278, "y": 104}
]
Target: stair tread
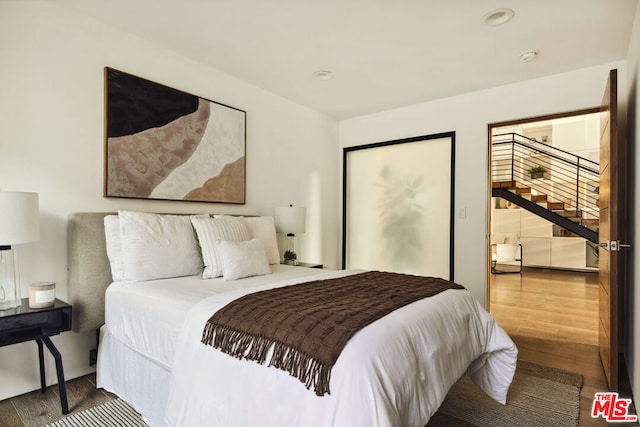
[
  {"x": 555, "y": 206},
  {"x": 503, "y": 184}
]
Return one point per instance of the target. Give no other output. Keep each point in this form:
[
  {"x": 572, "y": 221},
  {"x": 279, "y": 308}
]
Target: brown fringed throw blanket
[{"x": 310, "y": 323}]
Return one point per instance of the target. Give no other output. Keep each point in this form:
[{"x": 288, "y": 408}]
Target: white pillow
[
  {"x": 243, "y": 259},
  {"x": 211, "y": 231},
  {"x": 158, "y": 246},
  {"x": 264, "y": 229},
  {"x": 114, "y": 246}
]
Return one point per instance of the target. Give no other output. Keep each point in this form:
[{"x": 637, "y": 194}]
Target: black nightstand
[
  {"x": 309, "y": 265},
  {"x": 25, "y": 324}
]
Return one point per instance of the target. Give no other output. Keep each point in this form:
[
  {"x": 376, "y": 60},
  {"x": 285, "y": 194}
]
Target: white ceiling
[{"x": 384, "y": 53}]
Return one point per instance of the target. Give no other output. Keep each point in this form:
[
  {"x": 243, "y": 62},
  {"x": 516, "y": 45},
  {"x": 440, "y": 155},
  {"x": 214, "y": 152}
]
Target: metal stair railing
[
  {"x": 567, "y": 177},
  {"x": 551, "y": 216}
]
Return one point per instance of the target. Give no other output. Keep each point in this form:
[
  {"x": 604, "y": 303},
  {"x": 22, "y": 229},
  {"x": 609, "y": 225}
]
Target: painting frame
[
  {"x": 374, "y": 177},
  {"x": 162, "y": 143}
]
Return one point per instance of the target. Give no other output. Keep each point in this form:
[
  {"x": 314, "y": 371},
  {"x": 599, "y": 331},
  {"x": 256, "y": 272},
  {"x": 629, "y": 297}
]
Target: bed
[{"x": 394, "y": 371}]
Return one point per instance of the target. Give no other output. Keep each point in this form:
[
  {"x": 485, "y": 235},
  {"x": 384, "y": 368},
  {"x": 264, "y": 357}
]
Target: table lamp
[
  {"x": 290, "y": 220},
  {"x": 19, "y": 223}
]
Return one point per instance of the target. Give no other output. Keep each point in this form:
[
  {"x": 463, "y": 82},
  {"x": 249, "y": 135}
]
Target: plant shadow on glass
[{"x": 401, "y": 217}]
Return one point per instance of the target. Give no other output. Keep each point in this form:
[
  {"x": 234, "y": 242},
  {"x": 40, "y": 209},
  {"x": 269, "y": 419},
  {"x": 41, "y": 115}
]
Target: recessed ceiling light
[
  {"x": 323, "y": 75},
  {"x": 498, "y": 17},
  {"x": 528, "y": 55}
]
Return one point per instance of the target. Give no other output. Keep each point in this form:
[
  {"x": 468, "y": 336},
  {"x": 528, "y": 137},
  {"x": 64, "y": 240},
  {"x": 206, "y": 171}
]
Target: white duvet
[{"x": 395, "y": 372}]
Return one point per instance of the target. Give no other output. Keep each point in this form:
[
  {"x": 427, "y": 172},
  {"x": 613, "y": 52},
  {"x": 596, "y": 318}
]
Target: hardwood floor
[
  {"x": 552, "y": 316},
  {"x": 35, "y": 409},
  {"x": 547, "y": 304}
]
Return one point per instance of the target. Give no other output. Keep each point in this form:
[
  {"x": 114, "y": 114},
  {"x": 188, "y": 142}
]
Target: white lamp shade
[
  {"x": 290, "y": 219},
  {"x": 19, "y": 218}
]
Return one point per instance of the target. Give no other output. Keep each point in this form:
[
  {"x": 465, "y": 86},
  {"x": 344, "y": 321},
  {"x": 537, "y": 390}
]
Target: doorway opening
[{"x": 543, "y": 282}]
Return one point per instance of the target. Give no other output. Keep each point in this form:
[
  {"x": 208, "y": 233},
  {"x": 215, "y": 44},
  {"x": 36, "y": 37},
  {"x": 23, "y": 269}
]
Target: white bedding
[
  {"x": 394, "y": 372},
  {"x": 143, "y": 320},
  {"x": 147, "y": 316}
]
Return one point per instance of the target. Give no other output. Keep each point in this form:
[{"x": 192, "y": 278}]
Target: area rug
[
  {"x": 115, "y": 413},
  {"x": 538, "y": 396}
]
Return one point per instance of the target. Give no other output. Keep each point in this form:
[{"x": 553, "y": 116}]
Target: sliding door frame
[{"x": 345, "y": 175}]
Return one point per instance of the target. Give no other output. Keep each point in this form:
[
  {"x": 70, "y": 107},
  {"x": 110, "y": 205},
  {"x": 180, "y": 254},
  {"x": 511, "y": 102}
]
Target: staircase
[{"x": 551, "y": 183}]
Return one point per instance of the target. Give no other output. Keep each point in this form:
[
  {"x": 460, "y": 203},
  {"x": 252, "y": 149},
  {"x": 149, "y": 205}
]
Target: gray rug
[
  {"x": 115, "y": 413},
  {"x": 538, "y": 396}
]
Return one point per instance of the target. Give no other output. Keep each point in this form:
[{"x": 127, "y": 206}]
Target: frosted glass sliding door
[{"x": 397, "y": 206}]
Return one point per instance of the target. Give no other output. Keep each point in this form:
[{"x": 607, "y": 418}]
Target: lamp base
[
  {"x": 10, "y": 296},
  {"x": 11, "y": 304},
  {"x": 290, "y": 250}
]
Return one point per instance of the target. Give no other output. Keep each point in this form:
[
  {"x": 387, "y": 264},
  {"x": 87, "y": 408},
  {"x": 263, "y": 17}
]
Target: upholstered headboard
[{"x": 88, "y": 268}]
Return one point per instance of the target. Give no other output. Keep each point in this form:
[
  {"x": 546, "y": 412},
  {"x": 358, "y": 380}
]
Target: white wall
[
  {"x": 52, "y": 138},
  {"x": 578, "y": 136},
  {"x": 633, "y": 138},
  {"x": 469, "y": 116}
]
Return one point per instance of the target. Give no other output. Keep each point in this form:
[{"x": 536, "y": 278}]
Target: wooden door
[{"x": 613, "y": 230}]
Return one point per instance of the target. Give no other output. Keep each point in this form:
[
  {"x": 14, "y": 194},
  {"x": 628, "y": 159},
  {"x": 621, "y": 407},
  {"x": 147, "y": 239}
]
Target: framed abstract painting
[
  {"x": 398, "y": 206},
  {"x": 163, "y": 143}
]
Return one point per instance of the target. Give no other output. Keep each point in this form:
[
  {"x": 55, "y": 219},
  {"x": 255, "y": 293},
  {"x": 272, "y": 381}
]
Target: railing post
[
  {"x": 513, "y": 154},
  {"x": 577, "y": 185}
]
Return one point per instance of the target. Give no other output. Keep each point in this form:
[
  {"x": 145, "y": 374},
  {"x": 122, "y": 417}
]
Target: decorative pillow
[
  {"x": 158, "y": 246},
  {"x": 264, "y": 229},
  {"x": 211, "y": 231},
  {"x": 243, "y": 259},
  {"x": 114, "y": 246}
]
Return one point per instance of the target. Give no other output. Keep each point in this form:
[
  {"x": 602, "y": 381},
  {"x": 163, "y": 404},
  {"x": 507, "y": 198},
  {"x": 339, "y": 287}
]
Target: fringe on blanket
[{"x": 242, "y": 345}]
